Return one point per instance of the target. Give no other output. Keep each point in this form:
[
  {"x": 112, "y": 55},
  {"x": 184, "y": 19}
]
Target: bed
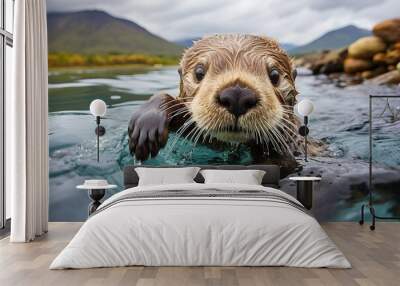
[{"x": 199, "y": 224}]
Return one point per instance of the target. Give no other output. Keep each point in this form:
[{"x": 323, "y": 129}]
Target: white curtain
[{"x": 26, "y": 124}]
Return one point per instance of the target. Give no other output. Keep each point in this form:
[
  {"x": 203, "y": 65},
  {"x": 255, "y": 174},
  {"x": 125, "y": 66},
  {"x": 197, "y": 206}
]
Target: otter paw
[{"x": 148, "y": 133}]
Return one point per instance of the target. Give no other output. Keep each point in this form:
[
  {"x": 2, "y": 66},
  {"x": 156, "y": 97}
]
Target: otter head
[{"x": 240, "y": 88}]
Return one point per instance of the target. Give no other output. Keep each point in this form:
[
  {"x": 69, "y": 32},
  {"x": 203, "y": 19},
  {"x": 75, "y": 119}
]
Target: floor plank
[{"x": 375, "y": 257}]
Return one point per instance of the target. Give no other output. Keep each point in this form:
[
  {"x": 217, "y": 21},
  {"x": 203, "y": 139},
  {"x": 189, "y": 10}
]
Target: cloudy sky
[{"x": 289, "y": 21}]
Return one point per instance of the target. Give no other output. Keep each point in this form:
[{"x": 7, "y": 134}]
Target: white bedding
[{"x": 192, "y": 231}]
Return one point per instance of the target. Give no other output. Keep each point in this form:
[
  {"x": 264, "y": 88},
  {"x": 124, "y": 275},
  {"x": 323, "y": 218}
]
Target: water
[{"x": 340, "y": 119}]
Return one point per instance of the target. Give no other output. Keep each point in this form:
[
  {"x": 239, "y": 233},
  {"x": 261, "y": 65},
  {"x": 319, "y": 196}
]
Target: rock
[
  {"x": 332, "y": 67},
  {"x": 388, "y": 30},
  {"x": 396, "y": 46},
  {"x": 332, "y": 62},
  {"x": 398, "y": 67},
  {"x": 379, "y": 59},
  {"x": 367, "y": 74},
  {"x": 373, "y": 73},
  {"x": 393, "y": 57},
  {"x": 325, "y": 62},
  {"x": 392, "y": 77},
  {"x": 356, "y": 65},
  {"x": 391, "y": 68},
  {"x": 366, "y": 47}
]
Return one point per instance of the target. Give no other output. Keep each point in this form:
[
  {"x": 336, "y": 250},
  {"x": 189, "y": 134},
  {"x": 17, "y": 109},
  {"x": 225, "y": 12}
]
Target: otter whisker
[
  {"x": 179, "y": 133},
  {"x": 194, "y": 135},
  {"x": 263, "y": 135},
  {"x": 211, "y": 124},
  {"x": 288, "y": 131},
  {"x": 289, "y": 113},
  {"x": 282, "y": 139},
  {"x": 278, "y": 133},
  {"x": 192, "y": 132},
  {"x": 258, "y": 134},
  {"x": 169, "y": 102},
  {"x": 289, "y": 122},
  {"x": 197, "y": 132},
  {"x": 267, "y": 138},
  {"x": 169, "y": 107},
  {"x": 283, "y": 142},
  {"x": 287, "y": 106},
  {"x": 198, "y": 135},
  {"x": 177, "y": 100},
  {"x": 273, "y": 138},
  {"x": 206, "y": 131},
  {"x": 279, "y": 143},
  {"x": 288, "y": 127},
  {"x": 180, "y": 112},
  {"x": 184, "y": 127}
]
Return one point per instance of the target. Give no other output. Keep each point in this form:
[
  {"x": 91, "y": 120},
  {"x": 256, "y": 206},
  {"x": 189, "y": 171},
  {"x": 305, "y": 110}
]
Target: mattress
[{"x": 201, "y": 225}]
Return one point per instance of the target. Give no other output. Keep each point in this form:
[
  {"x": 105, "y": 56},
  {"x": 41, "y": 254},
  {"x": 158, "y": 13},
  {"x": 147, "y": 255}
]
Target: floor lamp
[
  {"x": 305, "y": 108},
  {"x": 98, "y": 108}
]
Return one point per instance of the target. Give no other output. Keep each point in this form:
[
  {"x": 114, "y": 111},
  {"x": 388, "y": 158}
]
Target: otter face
[{"x": 240, "y": 88}]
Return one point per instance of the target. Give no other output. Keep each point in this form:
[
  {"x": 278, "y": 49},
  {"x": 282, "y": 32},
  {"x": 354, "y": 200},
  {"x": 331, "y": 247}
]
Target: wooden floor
[{"x": 375, "y": 257}]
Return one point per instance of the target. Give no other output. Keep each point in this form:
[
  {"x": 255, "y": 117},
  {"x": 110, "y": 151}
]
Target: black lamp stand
[
  {"x": 303, "y": 131},
  {"x": 100, "y": 131}
]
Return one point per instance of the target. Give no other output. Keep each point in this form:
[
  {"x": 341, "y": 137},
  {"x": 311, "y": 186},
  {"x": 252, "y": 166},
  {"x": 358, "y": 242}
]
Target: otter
[{"x": 233, "y": 88}]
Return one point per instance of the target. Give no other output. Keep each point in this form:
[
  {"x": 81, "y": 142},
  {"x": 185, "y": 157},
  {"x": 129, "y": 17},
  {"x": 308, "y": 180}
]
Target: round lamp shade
[
  {"x": 98, "y": 107},
  {"x": 305, "y": 107}
]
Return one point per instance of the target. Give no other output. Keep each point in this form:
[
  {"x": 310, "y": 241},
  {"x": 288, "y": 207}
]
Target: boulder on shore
[
  {"x": 325, "y": 62},
  {"x": 392, "y": 77},
  {"x": 388, "y": 30},
  {"x": 393, "y": 57},
  {"x": 366, "y": 47},
  {"x": 373, "y": 73},
  {"x": 356, "y": 65},
  {"x": 379, "y": 59}
]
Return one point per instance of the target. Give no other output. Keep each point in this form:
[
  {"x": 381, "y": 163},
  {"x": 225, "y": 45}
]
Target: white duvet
[{"x": 200, "y": 231}]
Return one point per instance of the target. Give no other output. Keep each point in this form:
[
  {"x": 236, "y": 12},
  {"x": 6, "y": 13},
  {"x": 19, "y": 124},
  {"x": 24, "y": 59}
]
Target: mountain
[
  {"x": 187, "y": 43},
  {"x": 288, "y": 47},
  {"x": 97, "y": 32},
  {"x": 333, "y": 40}
]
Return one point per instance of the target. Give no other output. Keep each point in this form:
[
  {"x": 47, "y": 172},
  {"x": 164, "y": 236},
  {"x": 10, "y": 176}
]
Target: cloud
[
  {"x": 288, "y": 21},
  {"x": 349, "y": 5}
]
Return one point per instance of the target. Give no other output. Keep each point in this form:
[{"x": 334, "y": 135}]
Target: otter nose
[{"x": 237, "y": 100}]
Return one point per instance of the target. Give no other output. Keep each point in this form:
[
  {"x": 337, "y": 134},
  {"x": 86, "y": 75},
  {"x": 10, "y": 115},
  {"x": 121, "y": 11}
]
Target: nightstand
[
  {"x": 96, "y": 190},
  {"x": 305, "y": 189}
]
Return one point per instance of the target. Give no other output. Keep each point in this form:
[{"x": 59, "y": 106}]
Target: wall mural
[{"x": 227, "y": 99}]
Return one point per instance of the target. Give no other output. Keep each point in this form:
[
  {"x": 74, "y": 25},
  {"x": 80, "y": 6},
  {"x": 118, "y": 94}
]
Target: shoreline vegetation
[
  {"x": 374, "y": 59},
  {"x": 73, "y": 60}
]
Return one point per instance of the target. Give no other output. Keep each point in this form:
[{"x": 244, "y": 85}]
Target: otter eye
[
  {"x": 274, "y": 76},
  {"x": 199, "y": 72}
]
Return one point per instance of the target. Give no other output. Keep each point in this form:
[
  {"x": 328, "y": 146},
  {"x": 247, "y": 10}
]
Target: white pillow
[
  {"x": 248, "y": 177},
  {"x": 166, "y": 176}
]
